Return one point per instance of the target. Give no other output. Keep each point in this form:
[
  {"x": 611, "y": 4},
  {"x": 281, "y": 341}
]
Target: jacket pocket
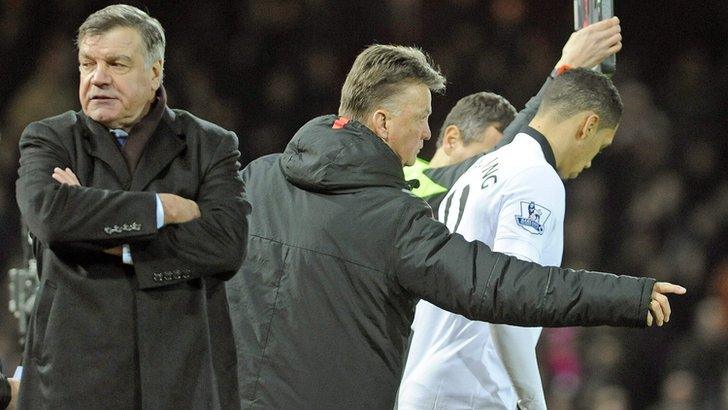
[{"x": 47, "y": 295}]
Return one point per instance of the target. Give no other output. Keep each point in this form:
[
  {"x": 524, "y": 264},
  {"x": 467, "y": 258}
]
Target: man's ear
[
  {"x": 451, "y": 139},
  {"x": 157, "y": 71},
  {"x": 379, "y": 119},
  {"x": 589, "y": 126}
]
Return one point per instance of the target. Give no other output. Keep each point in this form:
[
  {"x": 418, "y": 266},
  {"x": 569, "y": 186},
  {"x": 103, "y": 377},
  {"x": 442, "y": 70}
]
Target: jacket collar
[
  {"x": 165, "y": 144},
  {"x": 162, "y": 148},
  {"x": 141, "y": 132},
  {"x": 100, "y": 144},
  {"x": 448, "y": 175},
  {"x": 331, "y": 154}
]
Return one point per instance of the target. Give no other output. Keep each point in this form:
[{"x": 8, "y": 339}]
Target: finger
[
  {"x": 58, "y": 178},
  {"x": 72, "y": 176},
  {"x": 614, "y": 49},
  {"x": 649, "y": 318},
  {"x": 601, "y": 35},
  {"x": 196, "y": 208},
  {"x": 665, "y": 287},
  {"x": 613, "y": 21},
  {"x": 600, "y": 25},
  {"x": 61, "y": 177},
  {"x": 656, "y": 313},
  {"x": 613, "y": 38},
  {"x": 611, "y": 30},
  {"x": 656, "y": 310},
  {"x": 665, "y": 310},
  {"x": 65, "y": 176},
  {"x": 604, "y": 26},
  {"x": 664, "y": 305}
]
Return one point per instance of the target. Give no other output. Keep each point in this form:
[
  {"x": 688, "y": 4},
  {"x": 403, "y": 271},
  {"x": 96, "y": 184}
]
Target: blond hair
[{"x": 380, "y": 72}]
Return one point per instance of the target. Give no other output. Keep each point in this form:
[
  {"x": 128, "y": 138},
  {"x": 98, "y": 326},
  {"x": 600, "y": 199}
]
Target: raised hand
[{"x": 591, "y": 45}]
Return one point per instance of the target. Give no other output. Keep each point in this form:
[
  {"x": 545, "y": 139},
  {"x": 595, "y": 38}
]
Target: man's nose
[
  {"x": 428, "y": 133},
  {"x": 100, "y": 76}
]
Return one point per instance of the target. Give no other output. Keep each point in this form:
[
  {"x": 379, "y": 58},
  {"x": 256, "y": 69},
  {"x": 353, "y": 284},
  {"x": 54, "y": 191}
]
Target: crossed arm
[
  {"x": 200, "y": 238},
  {"x": 176, "y": 209}
]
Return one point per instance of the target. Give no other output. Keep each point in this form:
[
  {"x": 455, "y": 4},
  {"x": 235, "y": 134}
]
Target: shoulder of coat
[{"x": 192, "y": 123}]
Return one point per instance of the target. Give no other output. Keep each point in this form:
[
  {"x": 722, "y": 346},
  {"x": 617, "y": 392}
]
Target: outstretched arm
[{"x": 469, "y": 279}]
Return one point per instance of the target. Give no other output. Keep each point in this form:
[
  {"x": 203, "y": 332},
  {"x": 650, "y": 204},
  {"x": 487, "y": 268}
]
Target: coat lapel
[
  {"x": 162, "y": 148},
  {"x": 100, "y": 144}
]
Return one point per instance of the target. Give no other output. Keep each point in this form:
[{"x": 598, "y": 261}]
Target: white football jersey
[{"x": 512, "y": 200}]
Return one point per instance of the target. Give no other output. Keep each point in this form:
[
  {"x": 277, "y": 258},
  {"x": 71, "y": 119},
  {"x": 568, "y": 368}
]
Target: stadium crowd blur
[{"x": 655, "y": 204}]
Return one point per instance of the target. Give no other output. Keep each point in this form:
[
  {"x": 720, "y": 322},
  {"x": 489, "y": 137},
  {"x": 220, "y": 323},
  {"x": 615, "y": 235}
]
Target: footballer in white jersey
[{"x": 513, "y": 200}]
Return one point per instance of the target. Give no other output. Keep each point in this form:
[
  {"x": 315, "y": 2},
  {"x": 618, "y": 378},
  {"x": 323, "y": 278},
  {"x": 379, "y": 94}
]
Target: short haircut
[
  {"x": 476, "y": 112},
  {"x": 380, "y": 72},
  {"x": 122, "y": 15},
  {"x": 581, "y": 89}
]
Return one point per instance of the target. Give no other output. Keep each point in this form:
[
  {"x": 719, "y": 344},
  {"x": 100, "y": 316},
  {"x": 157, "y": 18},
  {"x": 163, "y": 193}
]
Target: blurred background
[{"x": 654, "y": 204}]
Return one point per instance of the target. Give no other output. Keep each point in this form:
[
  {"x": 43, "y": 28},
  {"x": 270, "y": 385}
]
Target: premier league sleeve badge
[{"x": 533, "y": 217}]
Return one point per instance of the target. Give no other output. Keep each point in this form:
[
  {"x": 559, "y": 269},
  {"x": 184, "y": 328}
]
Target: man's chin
[{"x": 104, "y": 117}]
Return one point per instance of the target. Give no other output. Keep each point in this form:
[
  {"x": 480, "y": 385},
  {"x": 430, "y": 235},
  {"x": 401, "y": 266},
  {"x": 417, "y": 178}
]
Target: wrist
[
  {"x": 167, "y": 208},
  {"x": 560, "y": 69}
]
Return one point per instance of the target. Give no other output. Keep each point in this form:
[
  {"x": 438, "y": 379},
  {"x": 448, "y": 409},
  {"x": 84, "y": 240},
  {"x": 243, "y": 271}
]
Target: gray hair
[
  {"x": 581, "y": 89},
  {"x": 380, "y": 72},
  {"x": 476, "y": 112},
  {"x": 122, "y": 15}
]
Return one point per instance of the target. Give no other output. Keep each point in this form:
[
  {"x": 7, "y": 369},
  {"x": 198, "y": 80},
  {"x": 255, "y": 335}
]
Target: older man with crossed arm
[{"x": 138, "y": 216}]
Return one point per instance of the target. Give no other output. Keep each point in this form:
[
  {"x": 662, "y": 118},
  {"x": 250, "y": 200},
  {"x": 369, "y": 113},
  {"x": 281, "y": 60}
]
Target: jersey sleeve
[
  {"x": 531, "y": 215},
  {"x": 530, "y": 219}
]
